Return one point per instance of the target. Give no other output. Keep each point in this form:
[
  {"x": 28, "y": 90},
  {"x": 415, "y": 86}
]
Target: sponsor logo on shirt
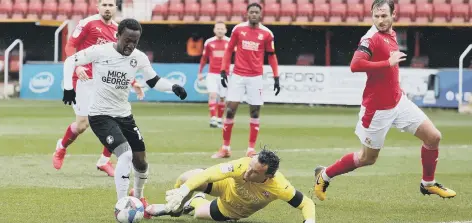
[
  {"x": 116, "y": 78},
  {"x": 250, "y": 45}
]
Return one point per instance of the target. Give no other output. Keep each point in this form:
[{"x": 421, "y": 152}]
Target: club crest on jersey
[
  {"x": 133, "y": 63},
  {"x": 260, "y": 37}
]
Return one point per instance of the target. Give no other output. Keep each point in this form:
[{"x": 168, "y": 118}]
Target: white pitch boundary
[{"x": 305, "y": 150}]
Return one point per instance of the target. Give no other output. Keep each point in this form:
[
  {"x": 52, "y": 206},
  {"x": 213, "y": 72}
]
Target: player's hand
[
  {"x": 138, "y": 90},
  {"x": 224, "y": 79},
  {"x": 69, "y": 97},
  {"x": 396, "y": 58},
  {"x": 276, "y": 85},
  {"x": 200, "y": 76},
  {"x": 175, "y": 197},
  {"x": 81, "y": 73},
  {"x": 179, "y": 91}
]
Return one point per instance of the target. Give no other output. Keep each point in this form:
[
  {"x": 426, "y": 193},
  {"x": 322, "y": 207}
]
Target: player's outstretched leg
[
  {"x": 253, "y": 129},
  {"x": 347, "y": 163},
  {"x": 225, "y": 150},
  {"x": 140, "y": 177},
  {"x": 431, "y": 137},
  {"x": 104, "y": 164},
  {"x": 123, "y": 169},
  {"x": 72, "y": 132}
]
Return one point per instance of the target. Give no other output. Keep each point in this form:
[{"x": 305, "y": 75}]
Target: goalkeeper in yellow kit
[{"x": 242, "y": 187}]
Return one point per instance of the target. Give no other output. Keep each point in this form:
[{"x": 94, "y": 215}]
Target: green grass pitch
[{"x": 178, "y": 138}]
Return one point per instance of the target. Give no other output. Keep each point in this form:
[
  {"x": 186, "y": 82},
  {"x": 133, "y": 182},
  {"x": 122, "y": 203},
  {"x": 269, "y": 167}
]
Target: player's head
[
  {"x": 254, "y": 13},
  {"x": 107, "y": 9},
  {"x": 383, "y": 13},
  {"x": 262, "y": 166},
  {"x": 220, "y": 29},
  {"x": 129, "y": 32}
]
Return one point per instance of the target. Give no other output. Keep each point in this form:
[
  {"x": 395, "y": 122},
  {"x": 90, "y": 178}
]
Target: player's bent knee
[
  {"x": 82, "y": 124},
  {"x": 203, "y": 212},
  {"x": 433, "y": 139},
  {"x": 367, "y": 156}
]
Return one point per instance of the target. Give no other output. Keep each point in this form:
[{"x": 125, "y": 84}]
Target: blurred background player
[
  {"x": 214, "y": 50},
  {"x": 96, "y": 29},
  {"x": 252, "y": 40},
  {"x": 242, "y": 188},
  {"x": 385, "y": 105}
]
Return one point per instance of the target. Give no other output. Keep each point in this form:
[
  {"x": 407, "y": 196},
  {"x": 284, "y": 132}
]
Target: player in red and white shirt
[
  {"x": 252, "y": 41},
  {"x": 96, "y": 29},
  {"x": 384, "y": 105},
  {"x": 214, "y": 50}
]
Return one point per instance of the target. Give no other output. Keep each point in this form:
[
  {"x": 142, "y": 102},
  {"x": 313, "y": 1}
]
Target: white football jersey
[{"x": 113, "y": 74}]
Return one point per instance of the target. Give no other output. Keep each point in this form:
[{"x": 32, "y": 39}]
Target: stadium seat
[
  {"x": 92, "y": 9},
  {"x": 271, "y": 2},
  {"x": 338, "y": 12},
  {"x": 35, "y": 9},
  {"x": 79, "y": 11},
  {"x": 239, "y": 11},
  {"x": 6, "y": 9},
  {"x": 271, "y": 12},
  {"x": 367, "y": 11},
  {"x": 191, "y": 12},
  {"x": 19, "y": 10},
  {"x": 288, "y": 12},
  {"x": 64, "y": 10},
  {"x": 159, "y": 13},
  {"x": 176, "y": 10},
  {"x": 406, "y": 13},
  {"x": 207, "y": 12},
  {"x": 204, "y": 2},
  {"x": 321, "y": 12},
  {"x": 301, "y": 2},
  {"x": 355, "y": 12},
  {"x": 254, "y": 1},
  {"x": 304, "y": 12},
  {"x": 453, "y": 2},
  {"x": 440, "y": 1},
  {"x": 424, "y": 12},
  {"x": 175, "y": 2},
  {"x": 442, "y": 12},
  {"x": 190, "y": 1},
  {"x": 49, "y": 10},
  {"x": 223, "y": 11},
  {"x": 460, "y": 13}
]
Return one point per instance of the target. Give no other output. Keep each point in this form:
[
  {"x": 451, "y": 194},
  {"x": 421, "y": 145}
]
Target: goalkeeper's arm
[{"x": 305, "y": 204}]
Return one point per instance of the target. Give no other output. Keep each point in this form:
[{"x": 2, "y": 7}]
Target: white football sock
[
  {"x": 139, "y": 181},
  {"x": 103, "y": 160},
  {"x": 428, "y": 183},
  {"x": 325, "y": 177},
  {"x": 123, "y": 169},
  {"x": 227, "y": 148}
]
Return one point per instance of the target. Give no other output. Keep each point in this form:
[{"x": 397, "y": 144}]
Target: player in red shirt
[
  {"x": 96, "y": 29},
  {"x": 214, "y": 50},
  {"x": 252, "y": 41},
  {"x": 385, "y": 105}
]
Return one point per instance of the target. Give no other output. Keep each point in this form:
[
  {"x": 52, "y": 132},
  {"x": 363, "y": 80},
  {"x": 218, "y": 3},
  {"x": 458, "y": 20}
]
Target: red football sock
[
  {"x": 106, "y": 152},
  {"x": 212, "y": 107},
  {"x": 221, "y": 109},
  {"x": 347, "y": 163},
  {"x": 429, "y": 159},
  {"x": 70, "y": 135},
  {"x": 227, "y": 128},
  {"x": 253, "y": 132}
]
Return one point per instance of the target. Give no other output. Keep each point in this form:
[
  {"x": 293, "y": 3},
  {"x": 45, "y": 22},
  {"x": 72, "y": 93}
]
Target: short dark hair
[
  {"x": 378, "y": 3},
  {"x": 254, "y": 4},
  {"x": 132, "y": 24},
  {"x": 269, "y": 158}
]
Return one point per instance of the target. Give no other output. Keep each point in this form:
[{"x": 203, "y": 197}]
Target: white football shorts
[
  {"x": 83, "y": 97},
  {"x": 239, "y": 85},
  {"x": 213, "y": 83}
]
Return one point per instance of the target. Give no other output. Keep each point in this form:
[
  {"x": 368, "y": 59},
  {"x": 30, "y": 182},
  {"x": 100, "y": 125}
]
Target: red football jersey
[
  {"x": 214, "y": 49},
  {"x": 251, "y": 43},
  {"x": 92, "y": 31},
  {"x": 382, "y": 90}
]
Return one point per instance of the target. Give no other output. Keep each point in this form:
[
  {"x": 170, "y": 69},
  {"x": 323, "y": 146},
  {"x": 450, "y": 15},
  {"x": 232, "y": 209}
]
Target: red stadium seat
[
  {"x": 239, "y": 11},
  {"x": 349, "y": 2},
  {"x": 288, "y": 12},
  {"x": 367, "y": 11},
  {"x": 304, "y": 12},
  {"x": 321, "y": 12},
  {"x": 64, "y": 10},
  {"x": 442, "y": 12},
  {"x": 355, "y": 12},
  {"x": 79, "y": 11},
  {"x": 271, "y": 12},
  {"x": 35, "y": 9},
  {"x": 49, "y": 10},
  {"x": 204, "y": 2},
  {"x": 92, "y": 9},
  {"x": 174, "y": 2},
  {"x": 424, "y": 12},
  {"x": 406, "y": 13},
  {"x": 159, "y": 13},
  {"x": 301, "y": 2},
  {"x": 176, "y": 10},
  {"x": 19, "y": 10},
  {"x": 192, "y": 11},
  {"x": 6, "y": 10},
  {"x": 190, "y": 1},
  {"x": 207, "y": 12},
  {"x": 266, "y": 2},
  {"x": 338, "y": 12},
  {"x": 223, "y": 11},
  {"x": 453, "y": 2},
  {"x": 253, "y": 1},
  {"x": 460, "y": 13}
]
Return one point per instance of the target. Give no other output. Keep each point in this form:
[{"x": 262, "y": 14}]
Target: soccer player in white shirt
[{"x": 114, "y": 68}]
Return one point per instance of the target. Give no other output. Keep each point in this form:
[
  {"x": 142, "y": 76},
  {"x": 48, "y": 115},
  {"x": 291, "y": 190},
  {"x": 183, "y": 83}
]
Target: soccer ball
[{"x": 129, "y": 210}]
